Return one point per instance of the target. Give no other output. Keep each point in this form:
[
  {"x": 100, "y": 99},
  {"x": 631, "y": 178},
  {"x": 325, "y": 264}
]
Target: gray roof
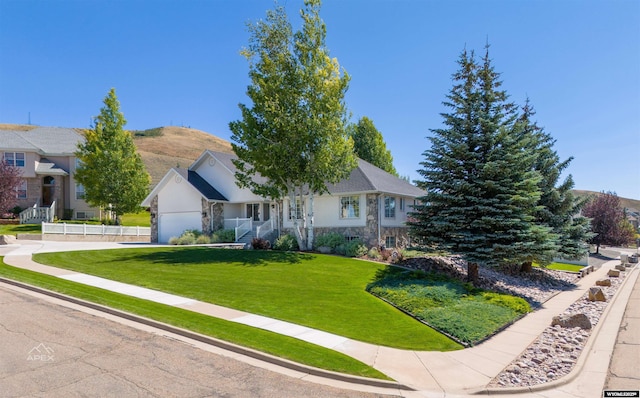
[
  {"x": 364, "y": 178},
  {"x": 47, "y": 167},
  {"x": 44, "y": 140},
  {"x": 200, "y": 184}
]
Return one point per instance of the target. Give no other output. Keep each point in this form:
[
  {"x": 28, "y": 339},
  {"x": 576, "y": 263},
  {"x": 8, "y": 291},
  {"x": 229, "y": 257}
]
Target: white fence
[{"x": 85, "y": 229}]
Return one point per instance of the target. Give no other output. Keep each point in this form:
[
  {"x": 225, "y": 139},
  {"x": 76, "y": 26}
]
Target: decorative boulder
[
  {"x": 572, "y": 321},
  {"x": 596, "y": 294},
  {"x": 621, "y": 267},
  {"x": 7, "y": 240},
  {"x": 603, "y": 282},
  {"x": 613, "y": 272}
]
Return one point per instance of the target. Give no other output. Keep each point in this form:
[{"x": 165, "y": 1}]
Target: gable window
[
  {"x": 15, "y": 159},
  {"x": 79, "y": 191},
  {"x": 295, "y": 210},
  {"x": 21, "y": 190},
  {"x": 350, "y": 206},
  {"x": 401, "y": 204},
  {"x": 389, "y": 207}
]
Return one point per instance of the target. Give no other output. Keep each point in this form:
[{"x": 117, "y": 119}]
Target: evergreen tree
[
  {"x": 111, "y": 170},
  {"x": 369, "y": 145},
  {"x": 558, "y": 207},
  {"x": 482, "y": 191},
  {"x": 294, "y": 135}
]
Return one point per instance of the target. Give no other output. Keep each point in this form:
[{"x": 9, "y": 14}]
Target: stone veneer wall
[
  {"x": 154, "y": 219},
  {"x": 218, "y": 216},
  {"x": 206, "y": 217}
]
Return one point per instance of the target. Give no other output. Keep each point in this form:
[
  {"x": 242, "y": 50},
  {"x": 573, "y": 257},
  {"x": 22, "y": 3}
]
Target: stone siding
[{"x": 153, "y": 209}]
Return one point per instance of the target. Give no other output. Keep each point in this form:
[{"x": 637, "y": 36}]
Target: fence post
[
  {"x": 84, "y": 229},
  {"x": 64, "y": 228},
  {"x": 102, "y": 229}
]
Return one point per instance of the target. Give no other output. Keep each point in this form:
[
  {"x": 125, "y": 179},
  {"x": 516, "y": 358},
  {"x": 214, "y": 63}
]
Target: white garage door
[{"x": 174, "y": 224}]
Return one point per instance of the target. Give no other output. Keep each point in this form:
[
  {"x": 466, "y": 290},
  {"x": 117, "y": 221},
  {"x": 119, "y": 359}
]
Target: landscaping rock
[
  {"x": 572, "y": 321},
  {"x": 621, "y": 267},
  {"x": 613, "y": 272},
  {"x": 596, "y": 294},
  {"x": 603, "y": 282},
  {"x": 7, "y": 240}
]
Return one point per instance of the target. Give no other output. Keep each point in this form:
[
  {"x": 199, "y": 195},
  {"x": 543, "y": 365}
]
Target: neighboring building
[
  {"x": 371, "y": 204},
  {"x": 46, "y": 157}
]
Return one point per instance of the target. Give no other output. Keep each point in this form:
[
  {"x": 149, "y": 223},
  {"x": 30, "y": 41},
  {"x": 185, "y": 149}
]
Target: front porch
[{"x": 38, "y": 214}]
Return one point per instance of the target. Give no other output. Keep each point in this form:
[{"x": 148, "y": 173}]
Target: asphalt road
[{"x": 49, "y": 350}]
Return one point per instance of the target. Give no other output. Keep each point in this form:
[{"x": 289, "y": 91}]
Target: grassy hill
[{"x": 631, "y": 204}]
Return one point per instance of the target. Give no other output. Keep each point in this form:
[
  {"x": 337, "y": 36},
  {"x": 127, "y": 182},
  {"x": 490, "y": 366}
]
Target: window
[
  {"x": 401, "y": 204},
  {"x": 389, "y": 207},
  {"x": 349, "y": 206},
  {"x": 21, "y": 190},
  {"x": 79, "y": 191},
  {"x": 85, "y": 215},
  {"x": 390, "y": 242},
  {"x": 295, "y": 210},
  {"x": 15, "y": 159}
]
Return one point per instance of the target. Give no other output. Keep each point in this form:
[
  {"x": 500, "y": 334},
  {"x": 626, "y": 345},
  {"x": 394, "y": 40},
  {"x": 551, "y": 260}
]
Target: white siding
[
  {"x": 179, "y": 208},
  {"x": 219, "y": 177},
  {"x": 327, "y": 212}
]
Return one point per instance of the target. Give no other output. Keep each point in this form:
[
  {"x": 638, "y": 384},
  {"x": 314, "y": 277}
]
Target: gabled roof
[
  {"x": 49, "y": 141},
  {"x": 364, "y": 178},
  {"x": 47, "y": 167},
  {"x": 194, "y": 179}
]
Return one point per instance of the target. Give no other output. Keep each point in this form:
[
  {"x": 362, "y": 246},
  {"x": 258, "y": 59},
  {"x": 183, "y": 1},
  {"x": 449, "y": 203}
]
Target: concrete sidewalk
[{"x": 433, "y": 374}]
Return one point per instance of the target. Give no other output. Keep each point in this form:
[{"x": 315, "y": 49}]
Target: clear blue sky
[{"x": 178, "y": 63}]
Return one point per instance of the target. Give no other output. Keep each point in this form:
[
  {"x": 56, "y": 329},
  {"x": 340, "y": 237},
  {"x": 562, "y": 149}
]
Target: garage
[{"x": 174, "y": 224}]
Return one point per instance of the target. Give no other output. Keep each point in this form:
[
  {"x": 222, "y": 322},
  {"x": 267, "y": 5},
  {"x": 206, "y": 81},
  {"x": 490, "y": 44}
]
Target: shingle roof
[
  {"x": 44, "y": 140},
  {"x": 364, "y": 178},
  {"x": 47, "y": 167},
  {"x": 200, "y": 184}
]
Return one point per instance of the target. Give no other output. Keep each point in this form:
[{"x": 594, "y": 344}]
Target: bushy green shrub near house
[
  {"x": 330, "y": 240},
  {"x": 355, "y": 248},
  {"x": 286, "y": 243},
  {"x": 223, "y": 236}
]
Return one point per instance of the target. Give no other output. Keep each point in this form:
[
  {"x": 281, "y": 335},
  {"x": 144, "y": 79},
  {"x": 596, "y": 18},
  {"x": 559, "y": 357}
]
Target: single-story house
[
  {"x": 371, "y": 204},
  {"x": 46, "y": 158}
]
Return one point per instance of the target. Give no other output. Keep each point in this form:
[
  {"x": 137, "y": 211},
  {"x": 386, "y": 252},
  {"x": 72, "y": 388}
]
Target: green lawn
[
  {"x": 565, "y": 267},
  {"x": 20, "y": 229},
  {"x": 135, "y": 219},
  {"x": 265, "y": 341},
  {"x": 319, "y": 291}
]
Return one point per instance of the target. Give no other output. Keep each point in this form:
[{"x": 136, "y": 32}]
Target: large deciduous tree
[
  {"x": 607, "y": 221},
  {"x": 369, "y": 145},
  {"x": 294, "y": 134},
  {"x": 482, "y": 187},
  {"x": 111, "y": 170},
  {"x": 10, "y": 179}
]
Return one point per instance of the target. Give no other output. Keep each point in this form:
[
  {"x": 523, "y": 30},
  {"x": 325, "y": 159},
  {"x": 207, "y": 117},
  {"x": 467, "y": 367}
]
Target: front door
[
  {"x": 48, "y": 190},
  {"x": 253, "y": 211}
]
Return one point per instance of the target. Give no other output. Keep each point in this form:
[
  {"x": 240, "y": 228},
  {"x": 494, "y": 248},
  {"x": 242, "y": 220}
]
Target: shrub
[
  {"x": 374, "y": 253},
  {"x": 173, "y": 240},
  {"x": 355, "y": 248},
  {"x": 260, "y": 244},
  {"x": 331, "y": 239},
  {"x": 286, "y": 243},
  {"x": 187, "y": 238},
  {"x": 203, "y": 240},
  {"x": 224, "y": 236}
]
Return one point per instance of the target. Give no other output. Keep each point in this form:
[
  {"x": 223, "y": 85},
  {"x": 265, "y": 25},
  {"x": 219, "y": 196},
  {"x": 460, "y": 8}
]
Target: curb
[
  {"x": 215, "y": 342},
  {"x": 577, "y": 369}
]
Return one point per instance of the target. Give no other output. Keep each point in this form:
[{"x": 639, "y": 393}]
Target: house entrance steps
[{"x": 432, "y": 374}]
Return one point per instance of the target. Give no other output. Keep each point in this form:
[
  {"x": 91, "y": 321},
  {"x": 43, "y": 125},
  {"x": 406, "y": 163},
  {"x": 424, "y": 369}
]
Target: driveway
[{"x": 50, "y": 350}]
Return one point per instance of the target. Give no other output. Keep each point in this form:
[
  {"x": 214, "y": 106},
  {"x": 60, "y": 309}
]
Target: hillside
[
  {"x": 631, "y": 204},
  {"x": 165, "y": 147}
]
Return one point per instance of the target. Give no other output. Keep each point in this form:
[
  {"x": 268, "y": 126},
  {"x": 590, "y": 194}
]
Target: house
[
  {"x": 371, "y": 204},
  {"x": 45, "y": 155}
]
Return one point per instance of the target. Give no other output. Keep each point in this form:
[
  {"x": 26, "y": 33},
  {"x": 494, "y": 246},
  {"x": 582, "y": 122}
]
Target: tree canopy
[
  {"x": 110, "y": 169},
  {"x": 608, "y": 221},
  {"x": 294, "y": 133},
  {"x": 484, "y": 185},
  {"x": 10, "y": 179},
  {"x": 369, "y": 145}
]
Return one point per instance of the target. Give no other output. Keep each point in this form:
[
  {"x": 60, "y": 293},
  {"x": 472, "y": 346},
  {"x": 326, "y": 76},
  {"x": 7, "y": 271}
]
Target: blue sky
[{"x": 177, "y": 63}]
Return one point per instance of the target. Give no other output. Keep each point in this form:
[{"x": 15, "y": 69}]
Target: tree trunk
[
  {"x": 598, "y": 248},
  {"x": 527, "y": 266},
  {"x": 310, "y": 235},
  {"x": 472, "y": 273}
]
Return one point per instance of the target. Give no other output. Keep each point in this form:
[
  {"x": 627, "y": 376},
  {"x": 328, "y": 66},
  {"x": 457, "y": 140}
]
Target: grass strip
[
  {"x": 258, "y": 339},
  {"x": 318, "y": 291}
]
